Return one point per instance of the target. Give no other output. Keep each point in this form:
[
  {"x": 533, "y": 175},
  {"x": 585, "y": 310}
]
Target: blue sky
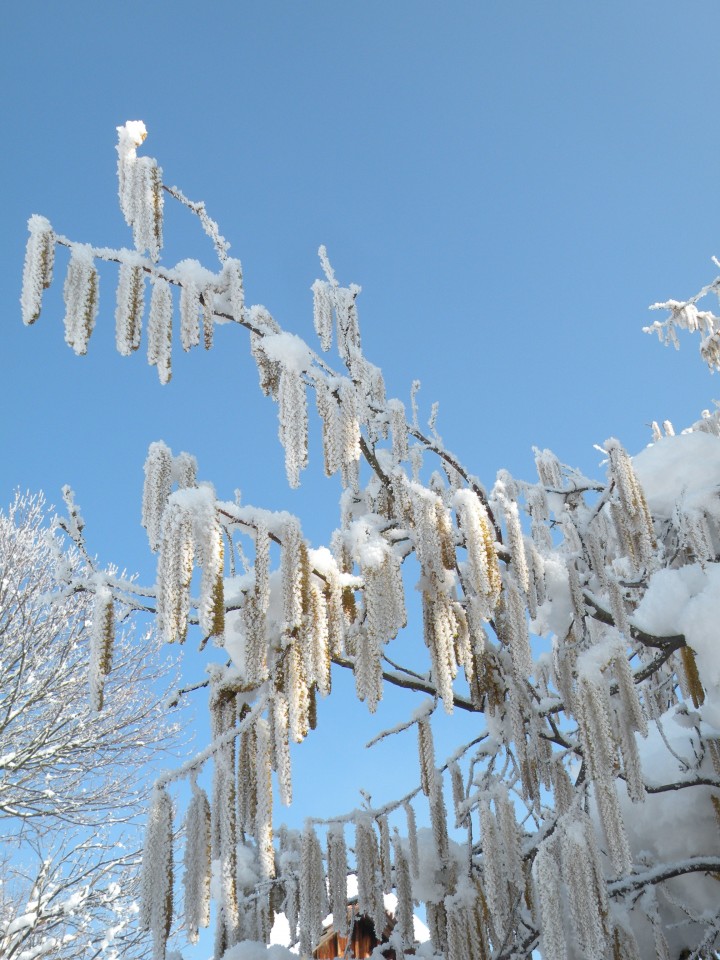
[{"x": 511, "y": 183}]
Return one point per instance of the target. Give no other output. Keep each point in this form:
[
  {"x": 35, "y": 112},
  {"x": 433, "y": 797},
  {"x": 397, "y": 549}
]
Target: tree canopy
[{"x": 574, "y": 618}]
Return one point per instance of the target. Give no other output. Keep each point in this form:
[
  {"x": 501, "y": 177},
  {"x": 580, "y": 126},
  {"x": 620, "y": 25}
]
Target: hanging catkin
[
  {"x": 548, "y": 889},
  {"x": 281, "y": 735},
  {"x": 196, "y": 879},
  {"x": 293, "y": 422},
  {"x": 175, "y": 565},
  {"x": 129, "y": 309},
  {"x": 102, "y": 636},
  {"x": 337, "y": 877},
  {"x": 81, "y": 298},
  {"x": 156, "y": 905},
  {"x": 313, "y": 898},
  {"x": 159, "y": 333},
  {"x": 413, "y": 855},
  {"x": 403, "y": 888},
  {"x": 385, "y": 861},
  {"x": 38, "y": 268},
  {"x": 482, "y": 572},
  {"x": 426, "y": 754},
  {"x": 263, "y": 815}
]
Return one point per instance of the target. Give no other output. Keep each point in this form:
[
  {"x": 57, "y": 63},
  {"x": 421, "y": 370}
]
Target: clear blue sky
[{"x": 511, "y": 183}]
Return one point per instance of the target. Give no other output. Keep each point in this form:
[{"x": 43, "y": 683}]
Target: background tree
[
  {"x": 71, "y": 775},
  {"x": 574, "y": 619}
]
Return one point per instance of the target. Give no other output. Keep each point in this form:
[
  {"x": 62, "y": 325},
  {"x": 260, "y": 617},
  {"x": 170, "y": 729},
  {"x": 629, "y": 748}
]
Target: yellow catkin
[{"x": 692, "y": 677}]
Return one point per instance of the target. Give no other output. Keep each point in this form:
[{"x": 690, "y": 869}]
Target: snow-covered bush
[
  {"x": 71, "y": 774},
  {"x": 576, "y": 619}
]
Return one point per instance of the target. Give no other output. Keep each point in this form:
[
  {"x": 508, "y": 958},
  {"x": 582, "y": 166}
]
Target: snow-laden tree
[
  {"x": 72, "y": 775},
  {"x": 574, "y": 619}
]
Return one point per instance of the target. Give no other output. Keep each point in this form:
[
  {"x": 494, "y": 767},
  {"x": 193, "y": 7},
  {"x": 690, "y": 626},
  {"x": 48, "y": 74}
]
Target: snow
[
  {"x": 253, "y": 950},
  {"x": 687, "y": 601},
  {"x": 131, "y": 135},
  {"x": 289, "y": 350},
  {"x": 686, "y": 466},
  {"x": 556, "y": 613}
]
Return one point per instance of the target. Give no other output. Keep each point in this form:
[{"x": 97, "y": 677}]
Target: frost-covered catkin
[
  {"x": 247, "y": 770},
  {"x": 482, "y": 574},
  {"x": 81, "y": 298},
  {"x": 322, "y": 312},
  {"x": 101, "y": 644},
  {"x": 298, "y": 695},
  {"x": 426, "y": 754},
  {"x": 439, "y": 630},
  {"x": 313, "y": 898},
  {"x": 413, "y": 854},
  {"x": 156, "y": 904},
  {"x": 368, "y": 669},
  {"x": 349, "y": 422},
  {"x": 635, "y": 515},
  {"x": 495, "y": 881},
  {"x": 370, "y": 898},
  {"x": 38, "y": 268},
  {"x": 208, "y": 316},
  {"x": 159, "y": 334},
  {"x": 403, "y": 888},
  {"x": 337, "y": 877},
  {"x": 281, "y": 747},
  {"x": 175, "y": 566},
  {"x": 190, "y": 308},
  {"x": 548, "y": 468},
  {"x": 438, "y": 819},
  {"x": 263, "y": 815},
  {"x": 458, "y": 794},
  {"x": 129, "y": 309},
  {"x": 156, "y": 490},
  {"x": 328, "y": 409},
  {"x": 515, "y": 542},
  {"x": 232, "y": 280},
  {"x": 516, "y": 630},
  {"x": 292, "y": 559},
  {"x": 385, "y": 861},
  {"x": 600, "y": 752},
  {"x": 209, "y": 550},
  {"x": 140, "y": 190},
  {"x": 585, "y": 884},
  {"x": 293, "y": 423},
  {"x": 548, "y": 887},
  {"x": 347, "y": 326},
  {"x": 398, "y": 430},
  {"x": 196, "y": 878}
]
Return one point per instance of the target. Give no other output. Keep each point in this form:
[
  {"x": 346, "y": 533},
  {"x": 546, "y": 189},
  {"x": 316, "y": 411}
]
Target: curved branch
[{"x": 637, "y": 881}]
